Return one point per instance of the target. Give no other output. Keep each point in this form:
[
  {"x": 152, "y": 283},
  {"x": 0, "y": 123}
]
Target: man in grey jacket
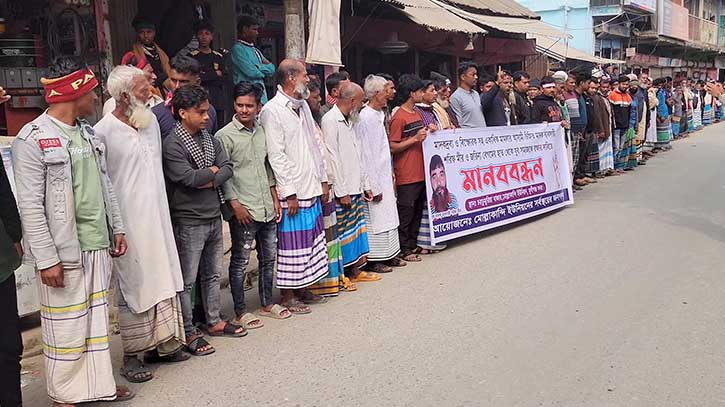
[{"x": 72, "y": 225}]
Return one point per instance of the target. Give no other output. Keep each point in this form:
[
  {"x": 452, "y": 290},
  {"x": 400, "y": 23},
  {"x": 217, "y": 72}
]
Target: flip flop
[
  {"x": 379, "y": 268},
  {"x": 347, "y": 285},
  {"x": 178, "y": 356},
  {"x": 277, "y": 312},
  {"x": 296, "y": 307},
  {"x": 410, "y": 257},
  {"x": 199, "y": 342},
  {"x": 396, "y": 262},
  {"x": 135, "y": 372},
  {"x": 249, "y": 321},
  {"x": 311, "y": 298},
  {"x": 366, "y": 277},
  {"x": 230, "y": 330},
  {"x": 123, "y": 393}
]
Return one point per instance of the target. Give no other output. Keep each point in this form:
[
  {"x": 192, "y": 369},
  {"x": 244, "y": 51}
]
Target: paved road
[{"x": 616, "y": 301}]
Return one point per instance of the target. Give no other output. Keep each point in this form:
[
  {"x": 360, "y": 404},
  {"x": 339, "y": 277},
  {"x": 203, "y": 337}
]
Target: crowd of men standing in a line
[{"x": 330, "y": 195}]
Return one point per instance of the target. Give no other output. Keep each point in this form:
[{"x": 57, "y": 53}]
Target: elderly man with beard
[
  {"x": 442, "y": 104},
  {"x": 297, "y": 162},
  {"x": 349, "y": 179},
  {"x": 72, "y": 225},
  {"x": 150, "y": 275},
  {"x": 154, "y": 99},
  {"x": 381, "y": 214}
]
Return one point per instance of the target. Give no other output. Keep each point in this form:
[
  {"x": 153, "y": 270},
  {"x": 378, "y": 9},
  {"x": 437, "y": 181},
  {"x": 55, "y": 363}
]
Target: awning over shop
[
  {"x": 558, "y": 50},
  {"x": 504, "y": 7},
  {"x": 509, "y": 24},
  {"x": 433, "y": 16}
]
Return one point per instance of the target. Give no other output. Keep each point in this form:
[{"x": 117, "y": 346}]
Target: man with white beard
[
  {"x": 350, "y": 182},
  {"x": 149, "y": 278}
]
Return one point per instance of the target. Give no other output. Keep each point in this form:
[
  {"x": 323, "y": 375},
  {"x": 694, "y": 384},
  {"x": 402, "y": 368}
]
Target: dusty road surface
[{"x": 616, "y": 301}]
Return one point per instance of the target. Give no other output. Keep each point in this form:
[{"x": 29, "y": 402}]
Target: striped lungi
[
  {"x": 74, "y": 321},
  {"x": 591, "y": 165},
  {"x": 606, "y": 155},
  {"x": 626, "y": 155},
  {"x": 301, "y": 246},
  {"x": 697, "y": 118},
  {"x": 353, "y": 231},
  {"x": 675, "y": 120},
  {"x": 424, "y": 241},
  {"x": 707, "y": 115},
  {"x": 329, "y": 285},
  {"x": 664, "y": 133},
  {"x": 160, "y": 328},
  {"x": 575, "y": 149},
  {"x": 384, "y": 245}
]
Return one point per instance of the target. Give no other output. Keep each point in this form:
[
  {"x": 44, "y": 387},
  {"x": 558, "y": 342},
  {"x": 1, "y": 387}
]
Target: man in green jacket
[{"x": 249, "y": 63}]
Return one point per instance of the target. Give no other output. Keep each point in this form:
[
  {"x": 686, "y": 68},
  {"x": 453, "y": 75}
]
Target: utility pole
[{"x": 294, "y": 33}]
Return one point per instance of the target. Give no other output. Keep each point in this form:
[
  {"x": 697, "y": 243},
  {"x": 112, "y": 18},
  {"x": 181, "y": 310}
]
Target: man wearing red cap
[{"x": 72, "y": 226}]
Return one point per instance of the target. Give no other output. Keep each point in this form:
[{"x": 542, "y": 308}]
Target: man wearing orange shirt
[{"x": 406, "y": 137}]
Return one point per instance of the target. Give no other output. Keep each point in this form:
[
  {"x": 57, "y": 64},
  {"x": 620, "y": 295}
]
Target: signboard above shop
[
  {"x": 649, "y": 6},
  {"x": 672, "y": 20}
]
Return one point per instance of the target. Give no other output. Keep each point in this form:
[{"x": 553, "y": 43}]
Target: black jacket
[
  {"x": 545, "y": 109},
  {"x": 10, "y": 231},
  {"x": 494, "y": 106},
  {"x": 523, "y": 108}
]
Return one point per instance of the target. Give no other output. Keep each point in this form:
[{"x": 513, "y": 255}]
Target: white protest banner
[{"x": 479, "y": 179}]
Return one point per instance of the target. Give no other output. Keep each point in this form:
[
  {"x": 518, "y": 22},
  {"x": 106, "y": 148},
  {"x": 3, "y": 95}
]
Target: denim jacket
[{"x": 44, "y": 185}]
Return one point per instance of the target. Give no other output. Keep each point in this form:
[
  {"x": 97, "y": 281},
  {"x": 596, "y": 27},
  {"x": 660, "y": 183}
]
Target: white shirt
[
  {"x": 377, "y": 162},
  {"x": 289, "y": 150},
  {"x": 343, "y": 152},
  {"x": 150, "y": 271}
]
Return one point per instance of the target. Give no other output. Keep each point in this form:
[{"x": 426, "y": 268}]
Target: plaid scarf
[{"x": 202, "y": 159}]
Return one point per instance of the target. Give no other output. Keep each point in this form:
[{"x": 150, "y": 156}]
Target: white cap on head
[{"x": 560, "y": 76}]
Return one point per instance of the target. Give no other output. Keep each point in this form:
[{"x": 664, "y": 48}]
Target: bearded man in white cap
[{"x": 150, "y": 276}]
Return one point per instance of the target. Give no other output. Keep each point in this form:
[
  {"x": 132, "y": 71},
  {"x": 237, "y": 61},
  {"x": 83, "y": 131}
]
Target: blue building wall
[{"x": 578, "y": 19}]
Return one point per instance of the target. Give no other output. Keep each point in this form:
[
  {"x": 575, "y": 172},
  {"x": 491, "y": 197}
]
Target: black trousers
[
  {"x": 11, "y": 345},
  {"x": 411, "y": 201}
]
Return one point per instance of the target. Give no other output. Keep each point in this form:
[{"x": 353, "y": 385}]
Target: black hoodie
[{"x": 545, "y": 109}]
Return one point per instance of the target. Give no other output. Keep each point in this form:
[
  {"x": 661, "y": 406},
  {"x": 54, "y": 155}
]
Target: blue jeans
[
  {"x": 242, "y": 237},
  {"x": 200, "y": 245}
]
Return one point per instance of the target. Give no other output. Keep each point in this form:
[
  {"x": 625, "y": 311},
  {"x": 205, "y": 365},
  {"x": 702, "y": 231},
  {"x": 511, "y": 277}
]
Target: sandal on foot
[
  {"x": 347, "y": 285},
  {"x": 135, "y": 372},
  {"x": 123, "y": 393},
  {"x": 230, "y": 330},
  {"x": 365, "y": 277},
  {"x": 380, "y": 268},
  {"x": 310, "y": 298},
  {"x": 178, "y": 356},
  {"x": 295, "y": 306},
  {"x": 198, "y": 343},
  {"x": 248, "y": 321},
  {"x": 396, "y": 262},
  {"x": 277, "y": 312},
  {"x": 410, "y": 257}
]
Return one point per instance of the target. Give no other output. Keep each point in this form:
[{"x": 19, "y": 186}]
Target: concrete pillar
[{"x": 294, "y": 23}]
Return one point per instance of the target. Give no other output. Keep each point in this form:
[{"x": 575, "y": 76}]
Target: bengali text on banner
[{"x": 479, "y": 179}]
